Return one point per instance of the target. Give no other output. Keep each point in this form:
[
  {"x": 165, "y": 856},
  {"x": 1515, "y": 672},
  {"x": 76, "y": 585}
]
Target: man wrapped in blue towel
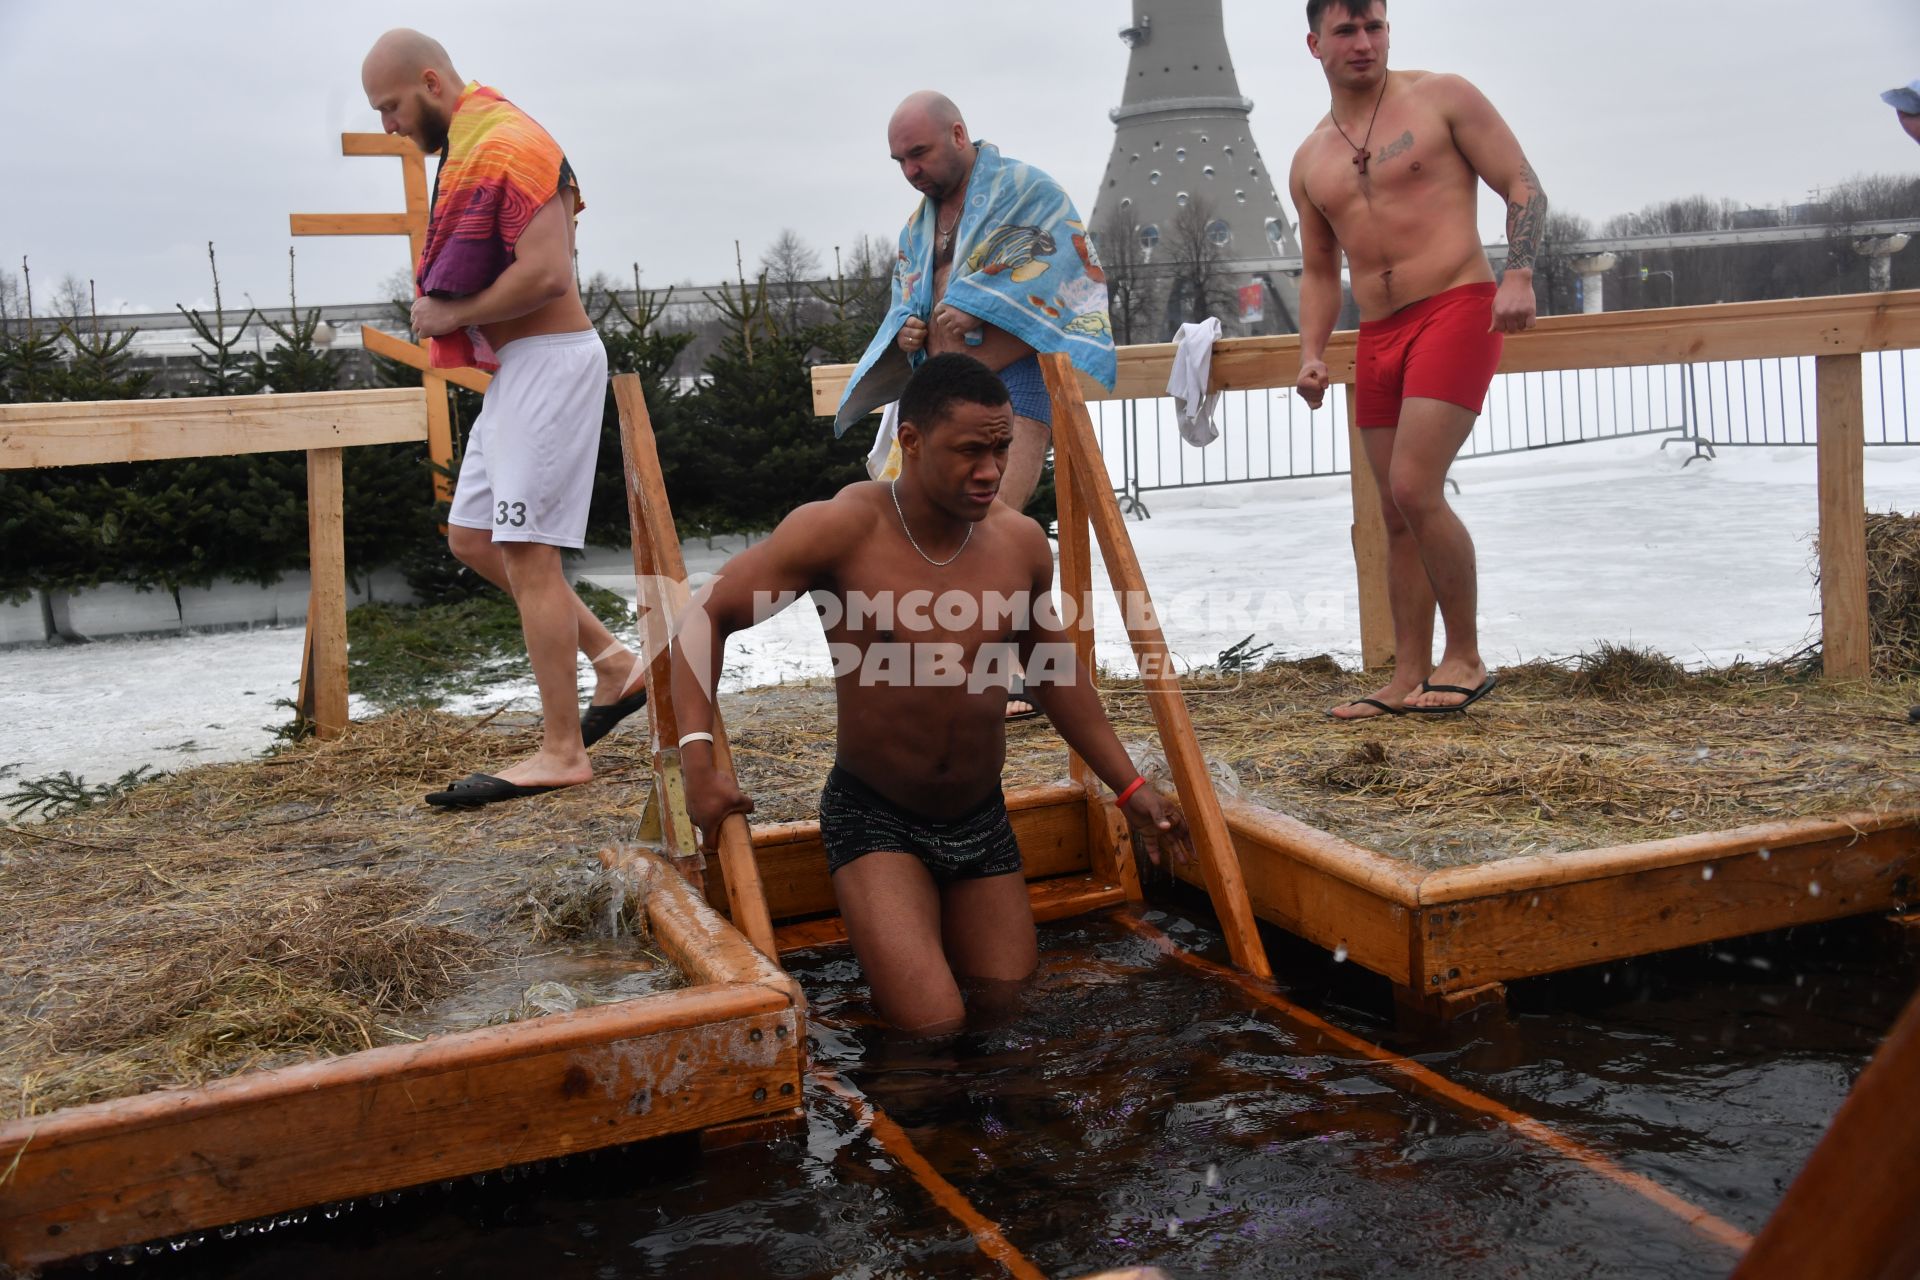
[{"x": 995, "y": 263}]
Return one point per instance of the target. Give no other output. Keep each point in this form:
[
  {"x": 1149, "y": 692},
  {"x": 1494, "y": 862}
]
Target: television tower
[{"x": 1183, "y": 136}]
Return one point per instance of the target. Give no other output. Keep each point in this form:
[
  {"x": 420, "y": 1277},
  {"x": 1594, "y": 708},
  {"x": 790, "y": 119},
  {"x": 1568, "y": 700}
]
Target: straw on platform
[{"x": 243, "y": 915}]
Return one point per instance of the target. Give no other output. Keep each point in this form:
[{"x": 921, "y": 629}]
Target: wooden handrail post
[
  {"x": 1843, "y": 517},
  {"x": 327, "y": 601},
  {"x": 413, "y": 225},
  {"x": 1212, "y": 842},
  {"x": 657, "y": 549},
  {"x": 1109, "y": 850},
  {"x": 1369, "y": 534},
  {"x": 1850, "y": 1213}
]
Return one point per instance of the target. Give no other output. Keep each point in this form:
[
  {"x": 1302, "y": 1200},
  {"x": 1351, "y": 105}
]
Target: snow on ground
[{"x": 1613, "y": 541}]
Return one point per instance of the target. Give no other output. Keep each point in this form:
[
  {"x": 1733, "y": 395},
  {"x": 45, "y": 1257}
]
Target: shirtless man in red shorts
[{"x": 1390, "y": 177}]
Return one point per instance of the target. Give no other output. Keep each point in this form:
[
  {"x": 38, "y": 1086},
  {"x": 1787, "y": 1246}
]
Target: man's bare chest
[
  {"x": 881, "y": 597},
  {"x": 1407, "y": 160}
]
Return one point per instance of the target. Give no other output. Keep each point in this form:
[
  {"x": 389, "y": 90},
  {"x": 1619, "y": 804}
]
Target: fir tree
[
  {"x": 223, "y": 371},
  {"x": 635, "y": 345},
  {"x": 31, "y": 367},
  {"x": 99, "y": 367}
]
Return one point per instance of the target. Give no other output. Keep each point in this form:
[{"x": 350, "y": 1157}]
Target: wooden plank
[
  {"x": 1339, "y": 896},
  {"x": 118, "y": 1172},
  {"x": 327, "y": 602},
  {"x": 704, "y": 947},
  {"x": 348, "y": 224},
  {"x": 1850, "y": 323},
  {"x": 83, "y": 434},
  {"x": 1058, "y": 899},
  {"x": 1369, "y": 535},
  {"x": 1052, "y": 836},
  {"x": 1195, "y": 785},
  {"x": 1109, "y": 848},
  {"x": 1512, "y": 875},
  {"x": 1466, "y": 942},
  {"x": 378, "y": 144},
  {"x": 746, "y": 902},
  {"x": 415, "y": 357},
  {"x": 1850, "y": 1213},
  {"x": 138, "y": 1168},
  {"x": 1843, "y": 518}
]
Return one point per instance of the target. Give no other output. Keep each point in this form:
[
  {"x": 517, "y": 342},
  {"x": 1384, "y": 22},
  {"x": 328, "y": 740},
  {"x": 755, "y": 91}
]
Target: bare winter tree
[
  {"x": 1130, "y": 288},
  {"x": 1198, "y": 285},
  {"x": 1555, "y": 283},
  {"x": 12, "y": 304},
  {"x": 789, "y": 263},
  {"x": 72, "y": 300}
]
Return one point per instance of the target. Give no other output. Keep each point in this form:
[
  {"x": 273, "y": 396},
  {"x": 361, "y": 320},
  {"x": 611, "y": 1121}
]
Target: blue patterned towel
[{"x": 1021, "y": 261}]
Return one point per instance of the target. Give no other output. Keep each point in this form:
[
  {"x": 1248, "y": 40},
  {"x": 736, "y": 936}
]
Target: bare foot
[
  {"x": 1395, "y": 693},
  {"x": 1017, "y": 707},
  {"x": 549, "y": 769},
  {"x": 1463, "y": 675},
  {"x": 615, "y": 676}
]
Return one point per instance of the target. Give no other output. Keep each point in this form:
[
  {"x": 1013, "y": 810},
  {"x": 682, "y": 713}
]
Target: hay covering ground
[
  {"x": 246, "y": 915},
  {"x": 1619, "y": 746},
  {"x": 236, "y": 916}
]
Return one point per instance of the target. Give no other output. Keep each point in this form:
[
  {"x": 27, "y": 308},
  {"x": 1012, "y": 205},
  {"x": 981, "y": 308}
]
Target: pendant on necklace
[{"x": 1360, "y": 161}]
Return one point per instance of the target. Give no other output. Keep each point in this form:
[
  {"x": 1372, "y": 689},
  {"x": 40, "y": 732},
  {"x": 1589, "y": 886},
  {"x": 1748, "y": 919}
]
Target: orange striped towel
[{"x": 499, "y": 169}]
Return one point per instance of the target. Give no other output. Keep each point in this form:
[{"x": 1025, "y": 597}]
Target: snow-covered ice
[{"x": 1611, "y": 541}]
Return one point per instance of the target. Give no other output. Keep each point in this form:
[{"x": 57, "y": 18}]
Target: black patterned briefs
[{"x": 855, "y": 820}]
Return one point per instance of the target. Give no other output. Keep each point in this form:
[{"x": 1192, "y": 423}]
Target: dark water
[{"x": 1136, "y": 1112}]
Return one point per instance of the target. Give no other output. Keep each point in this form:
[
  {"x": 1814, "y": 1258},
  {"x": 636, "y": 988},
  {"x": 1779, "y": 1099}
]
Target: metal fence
[{"x": 1269, "y": 434}]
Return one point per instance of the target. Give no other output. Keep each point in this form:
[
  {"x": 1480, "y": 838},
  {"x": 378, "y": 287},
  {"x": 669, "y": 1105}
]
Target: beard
[{"x": 434, "y": 127}]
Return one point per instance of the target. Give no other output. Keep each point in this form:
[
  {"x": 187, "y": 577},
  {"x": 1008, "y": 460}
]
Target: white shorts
[{"x": 527, "y": 475}]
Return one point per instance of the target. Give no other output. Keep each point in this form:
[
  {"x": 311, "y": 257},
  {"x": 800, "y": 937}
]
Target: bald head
[
  {"x": 411, "y": 82},
  {"x": 405, "y": 52},
  {"x": 927, "y": 105},
  {"x": 928, "y": 140}
]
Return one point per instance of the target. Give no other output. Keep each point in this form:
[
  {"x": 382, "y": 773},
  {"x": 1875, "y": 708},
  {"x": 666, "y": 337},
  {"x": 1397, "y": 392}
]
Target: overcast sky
[{"x": 139, "y": 131}]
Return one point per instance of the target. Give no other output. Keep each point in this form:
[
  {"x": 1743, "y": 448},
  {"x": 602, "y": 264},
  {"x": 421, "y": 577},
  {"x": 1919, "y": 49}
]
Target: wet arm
[{"x": 793, "y": 559}]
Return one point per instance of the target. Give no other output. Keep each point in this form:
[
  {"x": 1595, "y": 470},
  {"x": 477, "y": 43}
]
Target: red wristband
[{"x": 1120, "y": 801}]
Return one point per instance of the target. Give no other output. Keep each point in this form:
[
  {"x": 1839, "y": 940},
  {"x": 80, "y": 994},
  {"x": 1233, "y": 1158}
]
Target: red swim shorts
[{"x": 1440, "y": 348}]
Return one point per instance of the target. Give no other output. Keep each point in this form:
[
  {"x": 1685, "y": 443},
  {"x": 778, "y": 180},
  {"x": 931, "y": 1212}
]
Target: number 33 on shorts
[{"x": 517, "y": 519}]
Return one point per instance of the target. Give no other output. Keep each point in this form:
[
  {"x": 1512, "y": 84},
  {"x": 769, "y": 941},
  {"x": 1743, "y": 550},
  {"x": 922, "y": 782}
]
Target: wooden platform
[
  {"x": 1443, "y": 937},
  {"x": 1050, "y": 824},
  {"x": 716, "y": 1055}
]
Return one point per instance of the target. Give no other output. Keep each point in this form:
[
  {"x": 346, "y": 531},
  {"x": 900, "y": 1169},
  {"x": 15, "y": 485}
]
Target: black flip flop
[
  {"x": 1370, "y": 702},
  {"x": 1018, "y": 693},
  {"x": 1471, "y": 695},
  {"x": 478, "y": 789},
  {"x": 599, "y": 720}
]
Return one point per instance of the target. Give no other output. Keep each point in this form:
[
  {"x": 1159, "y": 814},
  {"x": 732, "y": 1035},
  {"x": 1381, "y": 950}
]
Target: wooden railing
[
  {"x": 321, "y": 423},
  {"x": 1835, "y": 330}
]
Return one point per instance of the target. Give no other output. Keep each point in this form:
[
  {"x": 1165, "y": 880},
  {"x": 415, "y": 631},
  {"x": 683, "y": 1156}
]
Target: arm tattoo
[{"x": 1526, "y": 218}]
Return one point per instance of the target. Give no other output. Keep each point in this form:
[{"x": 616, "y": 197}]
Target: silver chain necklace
[{"x": 894, "y": 489}]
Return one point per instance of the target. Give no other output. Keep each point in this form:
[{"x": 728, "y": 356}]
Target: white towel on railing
[
  {"x": 1187, "y": 383},
  {"x": 883, "y": 460}
]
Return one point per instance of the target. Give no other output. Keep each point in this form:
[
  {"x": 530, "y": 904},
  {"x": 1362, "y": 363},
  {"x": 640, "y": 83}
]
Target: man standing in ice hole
[
  {"x": 929, "y": 590},
  {"x": 1390, "y": 177},
  {"x": 497, "y": 292}
]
